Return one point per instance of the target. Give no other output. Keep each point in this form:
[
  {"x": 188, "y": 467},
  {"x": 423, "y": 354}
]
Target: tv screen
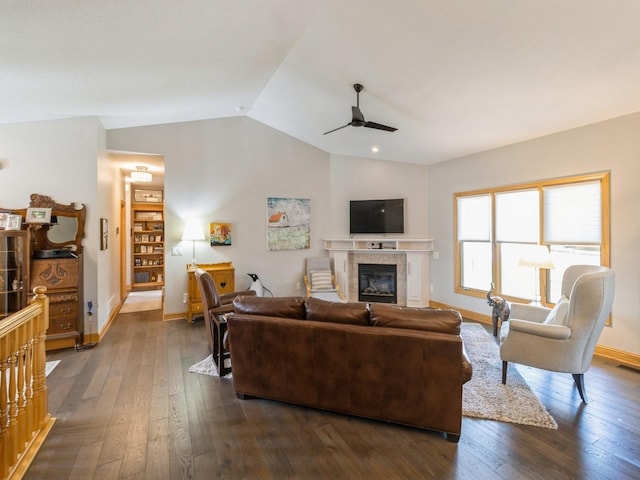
[{"x": 376, "y": 216}]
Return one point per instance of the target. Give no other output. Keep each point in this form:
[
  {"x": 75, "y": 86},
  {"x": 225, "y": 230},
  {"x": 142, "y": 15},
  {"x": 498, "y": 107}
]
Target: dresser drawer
[
  {"x": 63, "y": 318},
  {"x": 63, "y": 310},
  {"x": 63, "y": 297}
]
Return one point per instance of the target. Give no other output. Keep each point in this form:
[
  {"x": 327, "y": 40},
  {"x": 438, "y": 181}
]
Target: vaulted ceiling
[{"x": 455, "y": 77}]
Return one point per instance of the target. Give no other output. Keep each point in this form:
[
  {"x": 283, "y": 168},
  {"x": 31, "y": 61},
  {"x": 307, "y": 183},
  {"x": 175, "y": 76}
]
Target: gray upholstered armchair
[{"x": 562, "y": 339}]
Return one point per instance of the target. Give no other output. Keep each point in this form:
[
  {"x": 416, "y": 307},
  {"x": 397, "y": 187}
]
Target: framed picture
[
  {"x": 150, "y": 196},
  {"x": 104, "y": 234},
  {"x": 219, "y": 234},
  {"x": 14, "y": 222},
  {"x": 38, "y": 215},
  {"x": 4, "y": 218},
  {"x": 288, "y": 223}
]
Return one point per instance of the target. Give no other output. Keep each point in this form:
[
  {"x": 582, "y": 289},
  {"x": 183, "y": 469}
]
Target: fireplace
[{"x": 377, "y": 283}]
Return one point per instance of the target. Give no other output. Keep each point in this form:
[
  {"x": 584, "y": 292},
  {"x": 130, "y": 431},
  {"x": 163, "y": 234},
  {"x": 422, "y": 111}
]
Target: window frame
[{"x": 605, "y": 191}]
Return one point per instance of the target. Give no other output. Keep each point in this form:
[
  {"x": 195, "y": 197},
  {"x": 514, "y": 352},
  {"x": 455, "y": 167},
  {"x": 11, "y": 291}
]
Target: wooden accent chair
[
  {"x": 320, "y": 281},
  {"x": 214, "y": 307}
]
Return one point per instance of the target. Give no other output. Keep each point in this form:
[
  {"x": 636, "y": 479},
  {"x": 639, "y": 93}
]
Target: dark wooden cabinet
[
  {"x": 63, "y": 279},
  {"x": 14, "y": 271}
]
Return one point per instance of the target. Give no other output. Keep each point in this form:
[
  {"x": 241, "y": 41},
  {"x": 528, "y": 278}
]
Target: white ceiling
[{"x": 454, "y": 76}]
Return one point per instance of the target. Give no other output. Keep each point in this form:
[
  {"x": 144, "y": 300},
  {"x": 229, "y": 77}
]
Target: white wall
[
  {"x": 613, "y": 146},
  {"x": 58, "y": 159},
  {"x": 365, "y": 179},
  {"x": 223, "y": 170},
  {"x": 110, "y": 192}
]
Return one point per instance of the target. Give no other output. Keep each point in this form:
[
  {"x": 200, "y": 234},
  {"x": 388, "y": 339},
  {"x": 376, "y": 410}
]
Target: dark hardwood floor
[{"x": 129, "y": 409}]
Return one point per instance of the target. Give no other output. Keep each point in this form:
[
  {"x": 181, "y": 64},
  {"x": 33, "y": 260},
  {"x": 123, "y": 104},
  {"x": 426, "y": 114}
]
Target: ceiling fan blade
[
  {"x": 379, "y": 126},
  {"x": 336, "y": 129}
]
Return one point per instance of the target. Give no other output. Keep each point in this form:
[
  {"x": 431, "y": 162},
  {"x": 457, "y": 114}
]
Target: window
[{"x": 497, "y": 227}]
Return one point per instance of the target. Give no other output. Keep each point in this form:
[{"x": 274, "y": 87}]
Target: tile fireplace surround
[
  {"x": 410, "y": 256},
  {"x": 397, "y": 259}
]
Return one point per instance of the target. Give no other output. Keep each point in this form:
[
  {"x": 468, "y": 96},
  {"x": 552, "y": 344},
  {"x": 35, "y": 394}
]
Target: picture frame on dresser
[
  {"x": 14, "y": 222},
  {"x": 38, "y": 215},
  {"x": 4, "y": 218}
]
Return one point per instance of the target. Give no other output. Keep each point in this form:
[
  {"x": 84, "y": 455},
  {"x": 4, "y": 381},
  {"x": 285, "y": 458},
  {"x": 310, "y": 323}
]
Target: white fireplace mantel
[
  {"x": 412, "y": 254},
  {"x": 383, "y": 244}
]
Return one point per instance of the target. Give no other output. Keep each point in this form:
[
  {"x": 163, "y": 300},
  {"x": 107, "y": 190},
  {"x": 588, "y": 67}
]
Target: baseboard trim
[
  {"x": 626, "y": 358},
  {"x": 174, "y": 316}
]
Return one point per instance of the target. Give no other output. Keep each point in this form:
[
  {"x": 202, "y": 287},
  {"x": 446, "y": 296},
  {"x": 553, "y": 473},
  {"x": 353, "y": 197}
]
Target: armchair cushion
[
  {"x": 321, "y": 280},
  {"x": 558, "y": 315}
]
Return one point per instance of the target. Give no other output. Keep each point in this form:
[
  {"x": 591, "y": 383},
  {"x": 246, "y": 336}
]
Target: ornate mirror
[{"x": 66, "y": 229}]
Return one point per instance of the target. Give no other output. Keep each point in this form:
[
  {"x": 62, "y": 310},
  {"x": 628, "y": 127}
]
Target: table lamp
[
  {"x": 537, "y": 257},
  {"x": 193, "y": 231}
]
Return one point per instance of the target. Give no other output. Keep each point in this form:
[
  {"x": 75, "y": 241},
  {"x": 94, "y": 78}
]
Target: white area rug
[
  {"x": 49, "y": 366},
  {"x": 142, "y": 301},
  {"x": 484, "y": 396},
  {"x": 207, "y": 367}
]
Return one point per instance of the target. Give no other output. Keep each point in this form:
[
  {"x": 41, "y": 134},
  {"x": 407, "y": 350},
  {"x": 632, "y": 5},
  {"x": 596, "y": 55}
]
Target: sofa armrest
[{"x": 227, "y": 298}]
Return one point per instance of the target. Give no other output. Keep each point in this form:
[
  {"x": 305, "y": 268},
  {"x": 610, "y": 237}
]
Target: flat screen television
[{"x": 376, "y": 216}]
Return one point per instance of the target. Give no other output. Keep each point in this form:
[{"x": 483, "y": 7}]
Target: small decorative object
[
  {"x": 219, "y": 234},
  {"x": 501, "y": 310},
  {"x": 14, "y": 284},
  {"x": 150, "y": 196},
  {"x": 104, "y": 234},
  {"x": 38, "y": 215},
  {"x": 288, "y": 223},
  {"x": 14, "y": 222}
]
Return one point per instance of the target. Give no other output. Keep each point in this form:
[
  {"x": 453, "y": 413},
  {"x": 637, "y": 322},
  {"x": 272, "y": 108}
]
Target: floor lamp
[
  {"x": 193, "y": 231},
  {"x": 537, "y": 257}
]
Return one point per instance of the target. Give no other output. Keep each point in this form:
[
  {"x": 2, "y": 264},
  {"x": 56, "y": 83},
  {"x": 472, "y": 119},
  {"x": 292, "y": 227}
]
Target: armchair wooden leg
[
  {"x": 578, "y": 378},
  {"x": 504, "y": 372}
]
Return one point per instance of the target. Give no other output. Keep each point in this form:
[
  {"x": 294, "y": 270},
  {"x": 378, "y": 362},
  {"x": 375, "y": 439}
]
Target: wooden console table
[{"x": 224, "y": 277}]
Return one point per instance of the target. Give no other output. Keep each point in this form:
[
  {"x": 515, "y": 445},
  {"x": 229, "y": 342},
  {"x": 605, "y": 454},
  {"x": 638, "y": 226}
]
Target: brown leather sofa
[{"x": 384, "y": 362}]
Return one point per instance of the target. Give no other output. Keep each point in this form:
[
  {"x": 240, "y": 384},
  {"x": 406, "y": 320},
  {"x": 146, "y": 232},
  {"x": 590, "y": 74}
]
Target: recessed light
[{"x": 374, "y": 149}]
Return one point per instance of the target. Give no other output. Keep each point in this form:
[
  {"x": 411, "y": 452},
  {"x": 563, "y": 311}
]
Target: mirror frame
[{"x": 74, "y": 210}]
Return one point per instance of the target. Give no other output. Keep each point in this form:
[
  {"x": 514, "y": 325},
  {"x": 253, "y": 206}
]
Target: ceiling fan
[{"x": 357, "y": 118}]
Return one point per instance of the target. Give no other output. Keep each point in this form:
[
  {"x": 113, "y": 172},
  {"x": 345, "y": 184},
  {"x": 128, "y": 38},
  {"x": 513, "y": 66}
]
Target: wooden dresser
[
  {"x": 224, "y": 277},
  {"x": 62, "y": 277}
]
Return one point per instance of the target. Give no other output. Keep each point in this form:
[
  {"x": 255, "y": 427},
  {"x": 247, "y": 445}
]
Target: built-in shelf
[{"x": 385, "y": 245}]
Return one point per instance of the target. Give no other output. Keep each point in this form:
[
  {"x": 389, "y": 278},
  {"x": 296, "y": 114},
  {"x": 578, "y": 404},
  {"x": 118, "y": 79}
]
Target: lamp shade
[
  {"x": 193, "y": 231},
  {"x": 538, "y": 257}
]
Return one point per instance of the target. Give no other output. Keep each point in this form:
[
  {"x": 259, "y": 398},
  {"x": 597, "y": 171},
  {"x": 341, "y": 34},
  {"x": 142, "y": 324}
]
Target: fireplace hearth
[{"x": 377, "y": 283}]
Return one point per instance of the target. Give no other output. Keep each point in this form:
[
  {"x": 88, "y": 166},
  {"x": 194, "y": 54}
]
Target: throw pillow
[
  {"x": 321, "y": 280},
  {"x": 558, "y": 314}
]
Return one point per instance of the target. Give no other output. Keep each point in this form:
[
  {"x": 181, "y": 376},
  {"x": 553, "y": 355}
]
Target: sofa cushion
[
  {"x": 336, "y": 312},
  {"x": 430, "y": 319},
  {"x": 286, "y": 307},
  {"x": 558, "y": 314},
  {"x": 321, "y": 280}
]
